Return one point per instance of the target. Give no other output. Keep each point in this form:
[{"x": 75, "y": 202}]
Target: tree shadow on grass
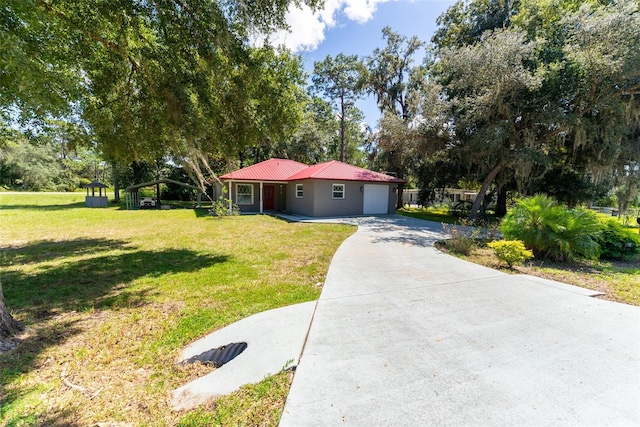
[
  {"x": 202, "y": 212},
  {"x": 47, "y": 250},
  {"x": 40, "y": 299},
  {"x": 97, "y": 282},
  {"x": 56, "y": 207}
]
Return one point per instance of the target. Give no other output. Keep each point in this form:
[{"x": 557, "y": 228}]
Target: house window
[
  {"x": 299, "y": 191},
  {"x": 338, "y": 191},
  {"x": 244, "y": 194}
]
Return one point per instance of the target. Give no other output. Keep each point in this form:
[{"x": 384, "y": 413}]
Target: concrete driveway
[{"x": 404, "y": 335}]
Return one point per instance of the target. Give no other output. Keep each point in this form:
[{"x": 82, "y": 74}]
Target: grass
[
  {"x": 110, "y": 297},
  {"x": 442, "y": 215},
  {"x": 241, "y": 409},
  {"x": 430, "y": 214}
]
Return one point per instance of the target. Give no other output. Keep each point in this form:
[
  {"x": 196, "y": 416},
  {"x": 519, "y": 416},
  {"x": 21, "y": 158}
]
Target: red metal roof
[
  {"x": 335, "y": 170},
  {"x": 269, "y": 170},
  {"x": 289, "y": 170}
]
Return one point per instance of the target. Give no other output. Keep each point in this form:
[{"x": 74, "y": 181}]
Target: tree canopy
[
  {"x": 144, "y": 81},
  {"x": 152, "y": 78},
  {"x": 540, "y": 93},
  {"x": 513, "y": 95}
]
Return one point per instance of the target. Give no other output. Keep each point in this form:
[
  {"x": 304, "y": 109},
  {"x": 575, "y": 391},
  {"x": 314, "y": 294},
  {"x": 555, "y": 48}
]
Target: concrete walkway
[
  {"x": 274, "y": 341},
  {"x": 404, "y": 335}
]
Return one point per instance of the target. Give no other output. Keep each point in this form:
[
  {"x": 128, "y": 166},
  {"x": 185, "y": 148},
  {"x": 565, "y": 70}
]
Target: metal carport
[{"x": 131, "y": 193}]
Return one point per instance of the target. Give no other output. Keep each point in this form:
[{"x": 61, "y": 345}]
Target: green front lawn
[{"x": 110, "y": 297}]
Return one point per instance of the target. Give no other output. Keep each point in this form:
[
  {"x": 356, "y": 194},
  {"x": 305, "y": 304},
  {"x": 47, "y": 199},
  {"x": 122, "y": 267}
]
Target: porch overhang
[{"x": 249, "y": 181}]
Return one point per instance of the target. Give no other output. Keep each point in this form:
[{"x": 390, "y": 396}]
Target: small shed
[
  {"x": 99, "y": 201},
  {"x": 131, "y": 193}
]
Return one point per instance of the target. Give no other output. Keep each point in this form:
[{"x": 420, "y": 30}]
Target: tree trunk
[
  {"x": 399, "y": 203},
  {"x": 8, "y": 325},
  {"x": 400, "y": 173},
  {"x": 116, "y": 184},
  {"x": 483, "y": 190},
  {"x": 501, "y": 202}
]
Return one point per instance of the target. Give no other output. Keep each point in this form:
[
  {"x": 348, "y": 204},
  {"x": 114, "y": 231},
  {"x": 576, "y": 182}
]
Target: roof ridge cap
[{"x": 323, "y": 166}]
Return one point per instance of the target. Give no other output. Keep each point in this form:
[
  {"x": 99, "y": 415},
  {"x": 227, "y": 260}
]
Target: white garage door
[{"x": 376, "y": 199}]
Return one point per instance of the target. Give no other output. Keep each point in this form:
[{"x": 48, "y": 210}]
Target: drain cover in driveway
[{"x": 218, "y": 356}]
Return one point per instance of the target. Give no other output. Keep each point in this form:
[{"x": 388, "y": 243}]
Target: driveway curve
[{"x": 405, "y": 335}]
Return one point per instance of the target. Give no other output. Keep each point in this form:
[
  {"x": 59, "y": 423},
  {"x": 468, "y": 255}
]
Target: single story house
[{"x": 327, "y": 189}]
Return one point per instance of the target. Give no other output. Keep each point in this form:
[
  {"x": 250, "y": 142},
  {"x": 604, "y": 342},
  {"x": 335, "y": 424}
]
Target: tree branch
[{"x": 108, "y": 44}]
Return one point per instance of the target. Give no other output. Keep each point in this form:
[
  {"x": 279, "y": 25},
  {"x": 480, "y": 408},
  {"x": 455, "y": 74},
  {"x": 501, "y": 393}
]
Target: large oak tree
[
  {"x": 150, "y": 78},
  {"x": 542, "y": 92}
]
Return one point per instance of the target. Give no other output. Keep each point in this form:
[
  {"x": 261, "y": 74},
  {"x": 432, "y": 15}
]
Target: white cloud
[
  {"x": 327, "y": 14},
  {"x": 307, "y": 28},
  {"x": 361, "y": 10}
]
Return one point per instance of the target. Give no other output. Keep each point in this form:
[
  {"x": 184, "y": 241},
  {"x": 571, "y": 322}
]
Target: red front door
[{"x": 269, "y": 197}]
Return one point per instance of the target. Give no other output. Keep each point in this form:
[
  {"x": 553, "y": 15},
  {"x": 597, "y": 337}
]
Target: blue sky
[{"x": 354, "y": 27}]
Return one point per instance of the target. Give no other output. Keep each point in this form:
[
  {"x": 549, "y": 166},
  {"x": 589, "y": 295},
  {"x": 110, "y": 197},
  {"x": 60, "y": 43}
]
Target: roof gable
[
  {"x": 335, "y": 170},
  {"x": 269, "y": 170}
]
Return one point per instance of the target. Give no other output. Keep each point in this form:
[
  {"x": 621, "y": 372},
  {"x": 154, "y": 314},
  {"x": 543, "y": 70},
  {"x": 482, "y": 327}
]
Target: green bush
[
  {"x": 221, "y": 208},
  {"x": 617, "y": 242},
  {"x": 551, "y": 230},
  {"x": 511, "y": 252}
]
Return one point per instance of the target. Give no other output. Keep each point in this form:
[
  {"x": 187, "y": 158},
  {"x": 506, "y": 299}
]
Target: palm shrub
[{"x": 551, "y": 230}]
